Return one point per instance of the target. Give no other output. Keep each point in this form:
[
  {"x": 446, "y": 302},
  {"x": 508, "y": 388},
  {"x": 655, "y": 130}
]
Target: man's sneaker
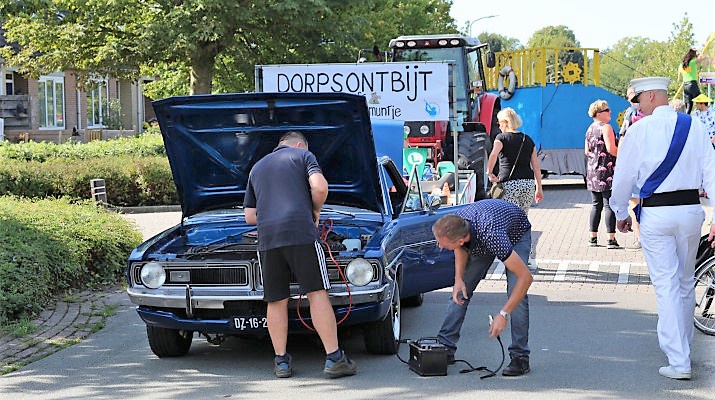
[
  {"x": 337, "y": 369},
  {"x": 450, "y": 359},
  {"x": 670, "y": 372},
  {"x": 518, "y": 366},
  {"x": 593, "y": 242},
  {"x": 282, "y": 366},
  {"x": 612, "y": 244}
]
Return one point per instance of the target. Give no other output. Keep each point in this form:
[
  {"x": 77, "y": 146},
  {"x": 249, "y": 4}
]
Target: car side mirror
[{"x": 491, "y": 59}]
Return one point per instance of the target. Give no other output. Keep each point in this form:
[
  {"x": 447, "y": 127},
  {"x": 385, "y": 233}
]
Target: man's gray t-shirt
[{"x": 278, "y": 189}]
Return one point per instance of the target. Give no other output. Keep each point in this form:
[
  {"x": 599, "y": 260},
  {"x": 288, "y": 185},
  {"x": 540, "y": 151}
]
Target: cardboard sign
[{"x": 409, "y": 91}]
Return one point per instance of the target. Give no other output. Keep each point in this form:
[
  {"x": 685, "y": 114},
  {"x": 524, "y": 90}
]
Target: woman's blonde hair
[
  {"x": 596, "y": 106},
  {"x": 510, "y": 116}
]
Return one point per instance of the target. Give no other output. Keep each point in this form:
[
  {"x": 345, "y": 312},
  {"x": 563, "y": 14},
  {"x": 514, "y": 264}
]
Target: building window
[
  {"x": 9, "y": 84},
  {"x": 51, "y": 92},
  {"x": 98, "y": 104}
]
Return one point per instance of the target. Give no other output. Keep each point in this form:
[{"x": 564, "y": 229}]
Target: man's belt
[{"x": 677, "y": 198}]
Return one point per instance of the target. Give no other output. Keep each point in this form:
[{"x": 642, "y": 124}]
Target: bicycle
[{"x": 705, "y": 288}]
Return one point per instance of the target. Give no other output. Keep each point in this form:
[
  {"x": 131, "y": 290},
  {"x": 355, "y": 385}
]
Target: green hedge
[
  {"x": 147, "y": 144},
  {"x": 50, "y": 245},
  {"x": 130, "y": 181},
  {"x": 135, "y": 169}
]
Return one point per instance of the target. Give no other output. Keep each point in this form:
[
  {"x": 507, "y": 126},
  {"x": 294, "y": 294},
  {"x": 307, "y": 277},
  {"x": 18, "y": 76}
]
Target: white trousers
[{"x": 670, "y": 237}]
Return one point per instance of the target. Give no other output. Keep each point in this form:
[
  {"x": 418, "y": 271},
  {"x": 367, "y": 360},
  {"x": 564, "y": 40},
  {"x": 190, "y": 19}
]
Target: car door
[{"x": 424, "y": 266}]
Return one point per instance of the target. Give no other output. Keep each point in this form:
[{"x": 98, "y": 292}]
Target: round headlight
[
  {"x": 153, "y": 275},
  {"x": 406, "y": 129},
  {"x": 424, "y": 129},
  {"x": 359, "y": 272}
]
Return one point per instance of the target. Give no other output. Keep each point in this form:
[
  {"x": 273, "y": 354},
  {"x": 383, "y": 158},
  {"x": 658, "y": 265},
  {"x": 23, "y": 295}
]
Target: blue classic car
[{"x": 202, "y": 276}]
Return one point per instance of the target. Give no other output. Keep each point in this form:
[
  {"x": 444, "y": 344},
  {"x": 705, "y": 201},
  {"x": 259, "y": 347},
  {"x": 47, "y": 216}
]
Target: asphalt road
[
  {"x": 585, "y": 345},
  {"x": 592, "y": 337}
]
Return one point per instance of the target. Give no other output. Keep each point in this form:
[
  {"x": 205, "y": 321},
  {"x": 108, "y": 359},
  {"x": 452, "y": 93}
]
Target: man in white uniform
[{"x": 671, "y": 218}]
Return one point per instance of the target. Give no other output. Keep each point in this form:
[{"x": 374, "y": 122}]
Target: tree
[
  {"x": 214, "y": 41},
  {"x": 667, "y": 56},
  {"x": 624, "y": 62},
  {"x": 558, "y": 37},
  {"x": 122, "y": 36},
  {"x": 635, "y": 57},
  {"x": 553, "y": 36},
  {"x": 499, "y": 42}
]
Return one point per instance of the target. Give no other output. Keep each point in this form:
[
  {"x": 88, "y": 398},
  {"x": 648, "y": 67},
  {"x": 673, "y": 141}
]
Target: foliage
[
  {"x": 130, "y": 181},
  {"x": 670, "y": 54},
  {"x": 635, "y": 57},
  {"x": 499, "y": 42},
  {"x": 113, "y": 120},
  {"x": 204, "y": 46},
  {"x": 553, "y": 36},
  {"x": 623, "y": 62},
  {"x": 52, "y": 245},
  {"x": 147, "y": 144}
]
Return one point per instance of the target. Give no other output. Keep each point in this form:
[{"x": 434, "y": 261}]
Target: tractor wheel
[{"x": 473, "y": 155}]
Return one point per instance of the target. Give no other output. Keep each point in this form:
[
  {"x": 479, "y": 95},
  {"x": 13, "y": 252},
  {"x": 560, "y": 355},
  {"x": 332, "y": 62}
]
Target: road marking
[
  {"x": 561, "y": 271},
  {"x": 562, "y": 268},
  {"x": 623, "y": 272},
  {"x": 593, "y": 267},
  {"x": 499, "y": 270}
]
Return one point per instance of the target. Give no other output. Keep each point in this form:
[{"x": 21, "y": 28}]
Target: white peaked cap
[{"x": 641, "y": 85}]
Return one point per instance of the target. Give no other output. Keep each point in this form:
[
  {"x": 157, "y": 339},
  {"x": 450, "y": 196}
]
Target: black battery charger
[{"x": 428, "y": 357}]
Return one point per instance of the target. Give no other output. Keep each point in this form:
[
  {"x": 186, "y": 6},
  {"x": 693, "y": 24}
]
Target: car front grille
[
  {"x": 233, "y": 273},
  {"x": 214, "y": 274}
]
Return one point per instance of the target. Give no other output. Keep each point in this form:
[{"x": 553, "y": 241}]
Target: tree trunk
[{"x": 202, "y": 70}]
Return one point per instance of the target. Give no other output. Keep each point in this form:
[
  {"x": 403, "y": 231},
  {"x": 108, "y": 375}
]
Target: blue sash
[{"x": 682, "y": 126}]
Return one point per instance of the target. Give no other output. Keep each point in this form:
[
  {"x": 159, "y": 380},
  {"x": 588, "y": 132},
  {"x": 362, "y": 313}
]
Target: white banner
[
  {"x": 410, "y": 91},
  {"x": 707, "y": 78}
]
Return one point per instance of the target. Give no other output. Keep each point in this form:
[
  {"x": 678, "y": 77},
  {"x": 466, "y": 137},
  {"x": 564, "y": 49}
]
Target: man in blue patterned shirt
[
  {"x": 479, "y": 233},
  {"x": 706, "y": 114}
]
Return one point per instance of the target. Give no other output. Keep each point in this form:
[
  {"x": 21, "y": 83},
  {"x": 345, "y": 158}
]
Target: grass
[{"x": 18, "y": 328}]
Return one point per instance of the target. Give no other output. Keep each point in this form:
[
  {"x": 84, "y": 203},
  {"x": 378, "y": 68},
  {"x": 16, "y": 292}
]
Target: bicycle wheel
[{"x": 704, "y": 296}]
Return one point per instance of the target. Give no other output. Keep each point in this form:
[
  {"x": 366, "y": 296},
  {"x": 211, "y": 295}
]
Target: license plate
[{"x": 248, "y": 323}]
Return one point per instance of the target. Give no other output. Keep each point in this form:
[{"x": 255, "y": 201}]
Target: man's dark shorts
[{"x": 304, "y": 264}]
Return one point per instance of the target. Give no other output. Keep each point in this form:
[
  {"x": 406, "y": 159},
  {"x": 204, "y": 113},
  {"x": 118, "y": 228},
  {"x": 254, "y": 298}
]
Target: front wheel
[
  {"x": 704, "y": 296},
  {"x": 383, "y": 337},
  {"x": 166, "y": 342}
]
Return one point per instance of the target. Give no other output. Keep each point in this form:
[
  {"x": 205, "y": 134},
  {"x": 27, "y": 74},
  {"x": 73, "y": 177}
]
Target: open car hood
[{"x": 212, "y": 142}]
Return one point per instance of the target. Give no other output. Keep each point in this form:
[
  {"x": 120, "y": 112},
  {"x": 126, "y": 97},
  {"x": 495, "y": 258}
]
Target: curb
[{"x": 147, "y": 209}]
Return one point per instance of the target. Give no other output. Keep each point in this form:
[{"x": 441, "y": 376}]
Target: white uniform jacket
[{"x": 644, "y": 148}]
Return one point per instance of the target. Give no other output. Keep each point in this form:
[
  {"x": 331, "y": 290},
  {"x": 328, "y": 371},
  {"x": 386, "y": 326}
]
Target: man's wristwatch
[{"x": 504, "y": 314}]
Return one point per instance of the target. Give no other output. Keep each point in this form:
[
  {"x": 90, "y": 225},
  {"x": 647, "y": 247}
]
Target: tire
[
  {"x": 413, "y": 301},
  {"x": 473, "y": 155},
  {"x": 705, "y": 297},
  {"x": 168, "y": 342},
  {"x": 383, "y": 337}
]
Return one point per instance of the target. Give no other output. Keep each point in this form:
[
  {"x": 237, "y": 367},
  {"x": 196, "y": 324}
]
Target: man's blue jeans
[{"x": 476, "y": 270}]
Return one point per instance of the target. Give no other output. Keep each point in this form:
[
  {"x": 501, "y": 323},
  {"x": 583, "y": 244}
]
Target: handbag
[{"x": 497, "y": 189}]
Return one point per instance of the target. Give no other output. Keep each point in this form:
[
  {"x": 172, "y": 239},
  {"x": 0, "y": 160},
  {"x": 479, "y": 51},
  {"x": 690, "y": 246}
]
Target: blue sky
[{"x": 599, "y": 23}]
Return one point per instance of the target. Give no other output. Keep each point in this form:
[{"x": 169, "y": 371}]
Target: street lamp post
[{"x": 469, "y": 26}]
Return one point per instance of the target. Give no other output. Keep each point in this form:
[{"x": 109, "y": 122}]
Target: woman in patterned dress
[
  {"x": 519, "y": 169},
  {"x": 601, "y": 150}
]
